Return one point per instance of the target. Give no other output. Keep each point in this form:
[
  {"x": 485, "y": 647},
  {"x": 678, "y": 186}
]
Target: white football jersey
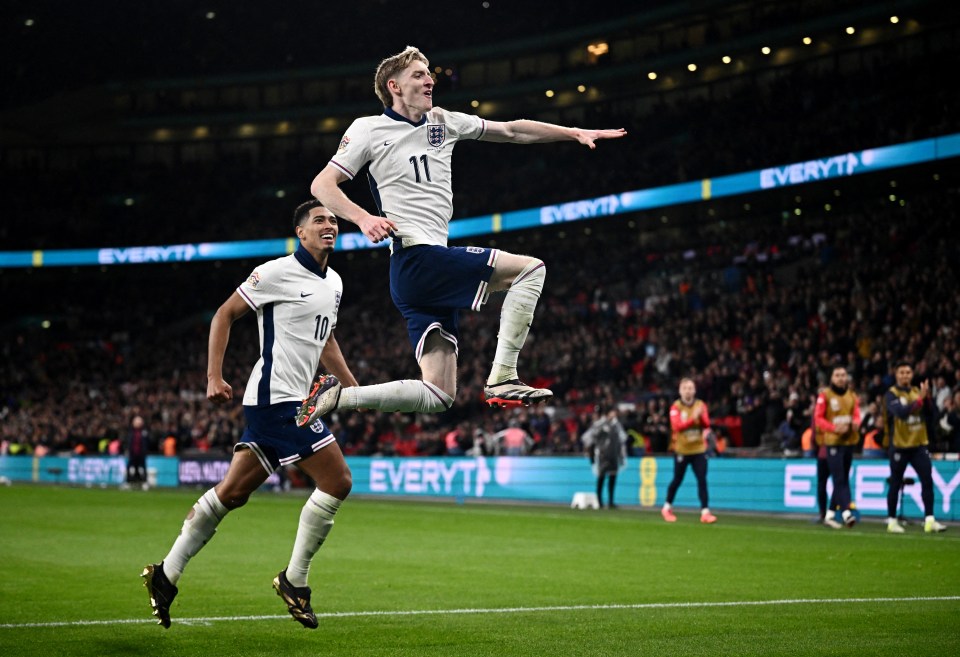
[
  {"x": 296, "y": 304},
  {"x": 410, "y": 173}
]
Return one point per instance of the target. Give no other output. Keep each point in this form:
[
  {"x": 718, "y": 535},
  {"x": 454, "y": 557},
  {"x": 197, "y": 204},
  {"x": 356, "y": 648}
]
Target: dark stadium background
[{"x": 179, "y": 122}]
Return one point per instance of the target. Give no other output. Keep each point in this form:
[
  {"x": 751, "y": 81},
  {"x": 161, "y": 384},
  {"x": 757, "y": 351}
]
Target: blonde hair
[{"x": 390, "y": 67}]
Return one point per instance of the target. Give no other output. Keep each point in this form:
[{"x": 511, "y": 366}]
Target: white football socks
[
  {"x": 406, "y": 396},
  {"x": 516, "y": 316},
  {"x": 198, "y": 528},
  {"x": 316, "y": 520}
]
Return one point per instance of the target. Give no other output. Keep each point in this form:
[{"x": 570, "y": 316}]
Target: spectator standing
[
  {"x": 513, "y": 441},
  {"x": 138, "y": 444},
  {"x": 605, "y": 443},
  {"x": 950, "y": 422}
]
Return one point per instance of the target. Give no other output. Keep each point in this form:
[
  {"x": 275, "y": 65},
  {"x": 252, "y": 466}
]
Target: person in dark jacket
[{"x": 605, "y": 443}]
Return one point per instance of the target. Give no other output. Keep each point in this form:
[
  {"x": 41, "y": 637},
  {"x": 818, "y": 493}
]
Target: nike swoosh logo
[
  {"x": 303, "y": 295},
  {"x": 387, "y": 143}
]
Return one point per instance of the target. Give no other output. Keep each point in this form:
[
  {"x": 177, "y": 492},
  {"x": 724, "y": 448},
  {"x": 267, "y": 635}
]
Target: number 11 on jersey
[{"x": 416, "y": 168}]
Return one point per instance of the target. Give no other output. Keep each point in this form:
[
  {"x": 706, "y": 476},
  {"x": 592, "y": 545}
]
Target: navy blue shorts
[
  {"x": 273, "y": 435},
  {"x": 431, "y": 284}
]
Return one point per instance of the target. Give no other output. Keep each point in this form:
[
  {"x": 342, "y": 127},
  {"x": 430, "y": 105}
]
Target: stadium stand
[{"x": 755, "y": 297}]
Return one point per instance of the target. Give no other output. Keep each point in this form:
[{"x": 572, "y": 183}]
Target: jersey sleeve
[
  {"x": 354, "y": 150},
  {"x": 467, "y": 126},
  {"x": 820, "y": 415},
  {"x": 677, "y": 423},
  {"x": 263, "y": 286},
  {"x": 338, "y": 295},
  {"x": 900, "y": 410}
]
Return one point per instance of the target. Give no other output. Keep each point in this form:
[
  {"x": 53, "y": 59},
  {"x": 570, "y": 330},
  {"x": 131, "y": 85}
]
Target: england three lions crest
[{"x": 436, "y": 134}]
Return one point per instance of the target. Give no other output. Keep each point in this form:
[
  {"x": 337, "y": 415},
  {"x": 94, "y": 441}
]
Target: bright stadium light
[
  {"x": 894, "y": 19},
  {"x": 211, "y": 15},
  {"x": 765, "y": 50},
  {"x": 581, "y": 88},
  {"x": 691, "y": 67},
  {"x": 599, "y": 48},
  {"x": 807, "y": 41},
  {"x": 474, "y": 103},
  {"x": 850, "y": 30},
  {"x": 727, "y": 59},
  {"x": 652, "y": 75},
  {"x": 549, "y": 93}
]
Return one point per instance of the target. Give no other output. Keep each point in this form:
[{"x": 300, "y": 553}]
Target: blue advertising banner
[
  {"x": 87, "y": 470},
  {"x": 764, "y": 485},
  {"x": 767, "y": 485},
  {"x": 209, "y": 470},
  {"x": 797, "y": 173}
]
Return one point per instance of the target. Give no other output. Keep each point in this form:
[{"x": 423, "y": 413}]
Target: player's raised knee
[{"x": 531, "y": 277}]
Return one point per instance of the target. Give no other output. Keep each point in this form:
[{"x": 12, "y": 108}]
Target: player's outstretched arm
[
  {"x": 524, "y": 131},
  {"x": 326, "y": 189}
]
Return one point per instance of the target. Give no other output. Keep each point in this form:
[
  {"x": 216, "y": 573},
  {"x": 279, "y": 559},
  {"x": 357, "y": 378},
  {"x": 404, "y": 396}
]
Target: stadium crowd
[
  {"x": 755, "y": 307},
  {"x": 233, "y": 195},
  {"x": 758, "y": 318}
]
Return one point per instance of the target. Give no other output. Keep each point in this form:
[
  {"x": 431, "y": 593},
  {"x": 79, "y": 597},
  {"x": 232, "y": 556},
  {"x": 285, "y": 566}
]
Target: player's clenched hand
[
  {"x": 219, "y": 391},
  {"x": 375, "y": 228},
  {"x": 588, "y": 137}
]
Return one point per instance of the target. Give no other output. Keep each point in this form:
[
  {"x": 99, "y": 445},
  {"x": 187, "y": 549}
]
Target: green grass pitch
[{"x": 436, "y": 578}]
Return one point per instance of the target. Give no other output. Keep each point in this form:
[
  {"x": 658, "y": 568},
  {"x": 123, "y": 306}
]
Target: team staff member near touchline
[
  {"x": 908, "y": 412},
  {"x": 296, "y": 299},
  {"x": 690, "y": 424},
  {"x": 409, "y": 150},
  {"x": 837, "y": 417},
  {"x": 606, "y": 445}
]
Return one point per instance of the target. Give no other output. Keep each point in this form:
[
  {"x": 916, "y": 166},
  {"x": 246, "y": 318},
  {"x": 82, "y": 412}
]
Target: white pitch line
[{"x": 495, "y": 610}]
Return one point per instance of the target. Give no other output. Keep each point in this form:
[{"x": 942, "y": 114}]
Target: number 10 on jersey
[{"x": 321, "y": 328}]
